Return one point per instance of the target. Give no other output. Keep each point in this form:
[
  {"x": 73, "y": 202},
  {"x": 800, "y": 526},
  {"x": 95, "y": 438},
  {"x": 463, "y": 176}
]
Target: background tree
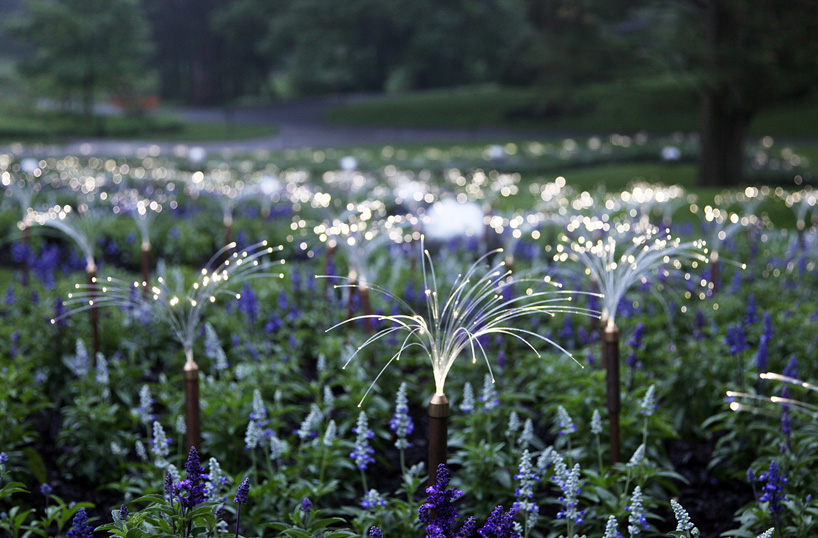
[
  {"x": 570, "y": 44},
  {"x": 757, "y": 54},
  {"x": 327, "y": 46},
  {"x": 81, "y": 47},
  {"x": 242, "y": 26},
  {"x": 741, "y": 57}
]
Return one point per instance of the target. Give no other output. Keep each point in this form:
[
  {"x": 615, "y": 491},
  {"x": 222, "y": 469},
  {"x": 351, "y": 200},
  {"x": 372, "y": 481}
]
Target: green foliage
[
  {"x": 310, "y": 525},
  {"x": 81, "y": 47}
]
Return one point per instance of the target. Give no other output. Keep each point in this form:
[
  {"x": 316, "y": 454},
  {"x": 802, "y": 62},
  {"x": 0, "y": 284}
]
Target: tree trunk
[
  {"x": 723, "y": 129},
  {"x": 722, "y": 121}
]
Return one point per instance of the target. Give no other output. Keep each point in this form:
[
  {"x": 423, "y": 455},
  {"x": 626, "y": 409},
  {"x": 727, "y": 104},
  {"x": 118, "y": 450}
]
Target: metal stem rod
[
  {"x": 610, "y": 357},
  {"x": 439, "y": 413}
]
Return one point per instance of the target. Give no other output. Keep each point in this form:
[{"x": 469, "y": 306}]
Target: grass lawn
[
  {"x": 53, "y": 127},
  {"x": 657, "y": 105}
]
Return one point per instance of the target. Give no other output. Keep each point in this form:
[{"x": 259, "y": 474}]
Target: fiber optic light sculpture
[
  {"x": 84, "y": 227},
  {"x": 23, "y": 189},
  {"x": 626, "y": 256},
  {"x": 143, "y": 211},
  {"x": 183, "y": 309},
  {"x": 720, "y": 225},
  {"x": 475, "y": 306},
  {"x": 361, "y": 232}
]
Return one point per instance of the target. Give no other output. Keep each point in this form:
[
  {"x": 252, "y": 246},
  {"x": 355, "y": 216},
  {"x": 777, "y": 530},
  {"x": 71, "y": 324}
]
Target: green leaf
[
  {"x": 19, "y": 519},
  {"x": 11, "y": 488},
  {"x": 35, "y": 464}
]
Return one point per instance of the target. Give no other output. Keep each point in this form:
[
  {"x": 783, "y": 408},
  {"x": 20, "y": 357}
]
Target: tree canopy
[{"x": 79, "y": 47}]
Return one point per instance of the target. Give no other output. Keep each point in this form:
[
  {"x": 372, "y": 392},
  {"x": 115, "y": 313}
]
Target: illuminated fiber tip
[{"x": 735, "y": 406}]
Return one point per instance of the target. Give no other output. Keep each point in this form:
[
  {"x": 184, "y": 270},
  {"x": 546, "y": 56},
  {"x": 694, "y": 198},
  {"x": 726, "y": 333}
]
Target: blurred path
[{"x": 300, "y": 124}]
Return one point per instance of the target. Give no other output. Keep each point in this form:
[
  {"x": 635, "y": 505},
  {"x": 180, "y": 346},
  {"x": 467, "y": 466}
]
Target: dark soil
[{"x": 710, "y": 502}]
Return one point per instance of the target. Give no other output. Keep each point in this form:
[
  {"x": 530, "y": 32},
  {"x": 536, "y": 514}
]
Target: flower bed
[{"x": 292, "y": 430}]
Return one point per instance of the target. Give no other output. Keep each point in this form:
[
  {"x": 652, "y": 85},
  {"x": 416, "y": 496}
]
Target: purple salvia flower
[
  {"x": 786, "y": 422},
  {"x": 20, "y": 253},
  {"x": 636, "y": 517},
  {"x": 80, "y": 527},
  {"x": 468, "y": 528},
  {"x": 59, "y": 313},
  {"x": 635, "y": 341},
  {"x": 15, "y": 341},
  {"x": 528, "y": 478},
  {"x": 273, "y": 324},
  {"x": 438, "y": 512},
  {"x": 401, "y": 422},
  {"x": 768, "y": 330},
  {"x": 372, "y": 499},
  {"x": 362, "y": 452},
  {"x": 699, "y": 325},
  {"x": 583, "y": 335},
  {"x": 123, "y": 513},
  {"x": 567, "y": 331},
  {"x": 735, "y": 283},
  {"x": 791, "y": 370},
  {"x": 241, "y": 499},
  {"x": 762, "y": 355},
  {"x": 773, "y": 490},
  {"x": 192, "y": 490},
  {"x": 736, "y": 339},
  {"x": 499, "y": 524},
  {"x": 375, "y": 532},
  {"x": 571, "y": 490},
  {"x": 248, "y": 303},
  {"x": 610, "y": 528},
  {"x": 750, "y": 317},
  {"x": 306, "y": 505},
  {"x": 169, "y": 486},
  {"x": 241, "y": 493}
]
